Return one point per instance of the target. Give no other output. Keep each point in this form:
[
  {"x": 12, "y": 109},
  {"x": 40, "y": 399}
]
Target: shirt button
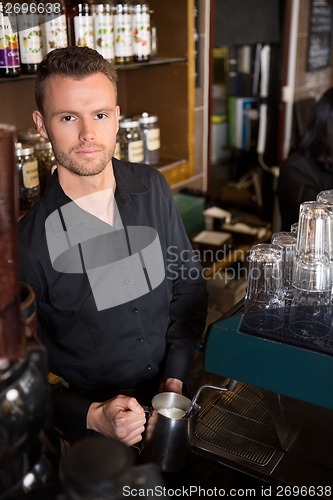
[
  {"x": 134, "y": 310},
  {"x": 148, "y": 367},
  {"x": 141, "y": 340},
  {"x": 128, "y": 282}
]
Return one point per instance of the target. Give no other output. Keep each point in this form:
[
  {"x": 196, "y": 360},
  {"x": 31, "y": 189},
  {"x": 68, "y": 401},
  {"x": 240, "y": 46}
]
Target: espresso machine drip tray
[{"x": 238, "y": 423}]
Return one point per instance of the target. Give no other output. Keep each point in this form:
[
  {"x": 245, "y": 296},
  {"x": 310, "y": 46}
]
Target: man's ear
[{"x": 38, "y": 119}]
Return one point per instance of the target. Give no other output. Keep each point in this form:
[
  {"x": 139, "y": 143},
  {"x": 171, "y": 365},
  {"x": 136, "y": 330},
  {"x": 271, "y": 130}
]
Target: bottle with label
[
  {"x": 123, "y": 43},
  {"x": 27, "y": 167},
  {"x": 9, "y": 44},
  {"x": 46, "y": 163},
  {"x": 103, "y": 28},
  {"x": 131, "y": 142},
  {"x": 153, "y": 40},
  {"x": 30, "y": 37},
  {"x": 80, "y": 23},
  {"x": 141, "y": 32},
  {"x": 151, "y": 138},
  {"x": 54, "y": 26}
]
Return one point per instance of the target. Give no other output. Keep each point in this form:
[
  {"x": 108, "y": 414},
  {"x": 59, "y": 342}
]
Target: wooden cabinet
[{"x": 165, "y": 86}]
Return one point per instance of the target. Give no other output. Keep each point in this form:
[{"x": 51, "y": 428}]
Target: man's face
[{"x": 81, "y": 120}]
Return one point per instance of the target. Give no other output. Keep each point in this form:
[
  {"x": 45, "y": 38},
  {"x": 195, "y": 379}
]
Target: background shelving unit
[{"x": 164, "y": 86}]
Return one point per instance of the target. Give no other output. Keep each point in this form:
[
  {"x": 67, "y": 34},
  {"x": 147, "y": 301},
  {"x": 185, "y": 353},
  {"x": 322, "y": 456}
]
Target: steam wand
[{"x": 231, "y": 386}]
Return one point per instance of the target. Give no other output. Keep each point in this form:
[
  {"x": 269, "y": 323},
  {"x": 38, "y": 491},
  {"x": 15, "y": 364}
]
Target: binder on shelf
[{"x": 243, "y": 115}]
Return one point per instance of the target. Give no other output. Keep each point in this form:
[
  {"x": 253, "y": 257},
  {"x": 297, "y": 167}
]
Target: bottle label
[
  {"x": 55, "y": 33},
  {"x": 30, "y": 174},
  {"x": 84, "y": 31},
  {"x": 141, "y": 35},
  {"x": 103, "y": 35},
  {"x": 30, "y": 39},
  {"x": 123, "y": 46},
  {"x": 135, "y": 151},
  {"x": 153, "y": 139},
  {"x": 9, "y": 51}
]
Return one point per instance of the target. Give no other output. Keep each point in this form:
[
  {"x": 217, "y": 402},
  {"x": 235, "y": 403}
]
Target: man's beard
[{"x": 84, "y": 168}]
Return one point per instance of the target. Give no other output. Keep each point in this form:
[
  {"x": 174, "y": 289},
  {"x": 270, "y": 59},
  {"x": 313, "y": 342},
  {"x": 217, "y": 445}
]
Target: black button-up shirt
[{"x": 131, "y": 346}]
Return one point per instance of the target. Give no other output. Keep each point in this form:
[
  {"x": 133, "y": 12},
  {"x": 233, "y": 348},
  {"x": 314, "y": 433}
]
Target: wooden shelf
[
  {"x": 157, "y": 61},
  {"x": 164, "y": 86}
]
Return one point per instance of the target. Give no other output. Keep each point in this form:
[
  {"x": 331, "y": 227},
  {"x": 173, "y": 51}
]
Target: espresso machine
[
  {"x": 24, "y": 395},
  {"x": 277, "y": 424}
]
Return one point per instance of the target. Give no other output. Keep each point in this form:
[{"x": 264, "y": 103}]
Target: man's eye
[
  {"x": 100, "y": 116},
  {"x": 67, "y": 118}
]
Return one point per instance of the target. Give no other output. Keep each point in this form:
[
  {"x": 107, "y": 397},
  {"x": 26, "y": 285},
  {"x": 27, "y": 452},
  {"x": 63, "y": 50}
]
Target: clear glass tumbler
[
  {"x": 287, "y": 242},
  {"x": 311, "y": 309},
  {"x": 264, "y": 300},
  {"x": 325, "y": 196}
]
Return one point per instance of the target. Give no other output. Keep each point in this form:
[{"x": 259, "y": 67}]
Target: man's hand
[
  {"x": 171, "y": 385},
  {"x": 121, "y": 418}
]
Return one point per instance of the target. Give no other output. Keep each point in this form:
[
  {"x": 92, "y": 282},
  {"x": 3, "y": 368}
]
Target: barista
[{"x": 119, "y": 307}]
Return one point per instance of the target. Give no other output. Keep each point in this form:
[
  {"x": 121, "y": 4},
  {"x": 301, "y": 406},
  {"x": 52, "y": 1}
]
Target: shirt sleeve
[
  {"x": 70, "y": 412},
  {"x": 188, "y": 306}
]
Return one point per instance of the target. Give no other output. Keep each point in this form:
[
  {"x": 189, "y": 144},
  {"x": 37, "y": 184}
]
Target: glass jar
[
  {"x": 30, "y": 38},
  {"x": 123, "y": 44},
  {"x": 131, "y": 142},
  {"x": 54, "y": 27},
  {"x": 9, "y": 51},
  {"x": 103, "y": 28},
  {"x": 151, "y": 138},
  {"x": 46, "y": 163},
  {"x": 141, "y": 32},
  {"x": 27, "y": 167}
]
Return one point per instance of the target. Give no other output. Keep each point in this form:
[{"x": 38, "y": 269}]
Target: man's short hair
[{"x": 74, "y": 61}]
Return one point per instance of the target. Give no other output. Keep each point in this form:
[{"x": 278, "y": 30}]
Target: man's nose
[{"x": 87, "y": 131}]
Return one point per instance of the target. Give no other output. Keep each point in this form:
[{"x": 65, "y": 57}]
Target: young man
[{"x": 121, "y": 300}]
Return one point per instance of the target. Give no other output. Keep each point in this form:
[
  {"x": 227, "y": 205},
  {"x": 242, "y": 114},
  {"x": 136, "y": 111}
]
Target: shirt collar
[{"x": 127, "y": 183}]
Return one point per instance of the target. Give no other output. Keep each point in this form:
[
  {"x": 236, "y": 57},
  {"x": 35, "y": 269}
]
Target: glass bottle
[
  {"x": 30, "y": 37},
  {"x": 27, "y": 167},
  {"x": 153, "y": 40},
  {"x": 151, "y": 138},
  {"x": 54, "y": 26},
  {"x": 80, "y": 23},
  {"x": 46, "y": 163},
  {"x": 103, "y": 28},
  {"x": 123, "y": 44},
  {"x": 9, "y": 45},
  {"x": 141, "y": 32},
  {"x": 131, "y": 142}
]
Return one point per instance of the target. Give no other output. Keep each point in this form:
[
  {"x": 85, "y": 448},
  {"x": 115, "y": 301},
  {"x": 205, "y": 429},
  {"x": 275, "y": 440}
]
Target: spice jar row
[
  {"x": 138, "y": 139},
  {"x": 120, "y": 31},
  {"x": 35, "y": 162}
]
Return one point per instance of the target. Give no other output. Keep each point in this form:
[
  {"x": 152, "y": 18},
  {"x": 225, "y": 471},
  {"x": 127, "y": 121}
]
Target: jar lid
[
  {"x": 42, "y": 146},
  {"x": 29, "y": 135},
  {"x": 128, "y": 123},
  {"x": 23, "y": 149},
  {"x": 145, "y": 118}
]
